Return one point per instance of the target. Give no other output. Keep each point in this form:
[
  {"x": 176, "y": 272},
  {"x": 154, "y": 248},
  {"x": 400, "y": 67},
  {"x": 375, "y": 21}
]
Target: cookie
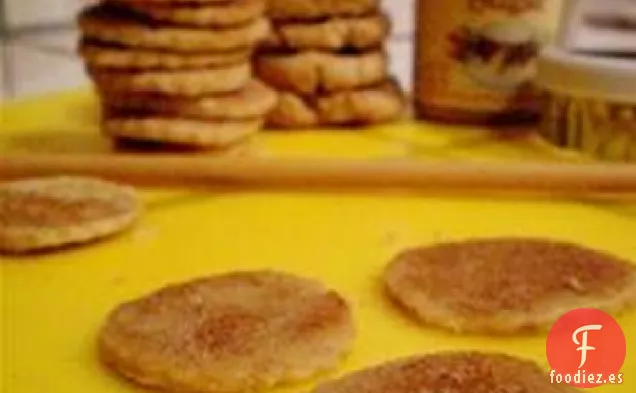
[
  {"x": 254, "y": 100},
  {"x": 373, "y": 105},
  {"x": 46, "y": 214},
  {"x": 190, "y": 83},
  {"x": 237, "y": 332},
  {"x": 450, "y": 372},
  {"x": 212, "y": 14},
  {"x": 98, "y": 55},
  {"x": 110, "y": 24},
  {"x": 182, "y": 132},
  {"x": 312, "y": 72},
  {"x": 287, "y": 10},
  {"x": 501, "y": 286},
  {"x": 333, "y": 34}
]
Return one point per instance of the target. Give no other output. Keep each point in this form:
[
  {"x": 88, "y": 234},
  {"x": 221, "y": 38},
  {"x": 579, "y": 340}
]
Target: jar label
[{"x": 480, "y": 55}]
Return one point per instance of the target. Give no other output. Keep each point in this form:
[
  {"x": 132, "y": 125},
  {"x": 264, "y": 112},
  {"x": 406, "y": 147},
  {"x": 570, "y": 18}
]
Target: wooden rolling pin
[{"x": 175, "y": 170}]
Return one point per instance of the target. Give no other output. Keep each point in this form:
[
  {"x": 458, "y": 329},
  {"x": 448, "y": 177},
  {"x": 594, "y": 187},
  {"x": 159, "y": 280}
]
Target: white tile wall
[
  {"x": 401, "y": 46},
  {"x": 61, "y": 41},
  {"x": 402, "y": 13},
  {"x": 35, "y": 71},
  {"x": 21, "y": 13},
  {"x": 3, "y": 88},
  {"x": 401, "y": 55}
]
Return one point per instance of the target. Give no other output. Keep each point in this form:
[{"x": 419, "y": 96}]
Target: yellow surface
[{"x": 52, "y": 306}]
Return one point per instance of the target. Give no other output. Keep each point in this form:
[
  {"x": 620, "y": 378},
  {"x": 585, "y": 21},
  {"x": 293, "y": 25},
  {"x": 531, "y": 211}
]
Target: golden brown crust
[
  {"x": 190, "y": 83},
  {"x": 286, "y": 10},
  {"x": 311, "y": 73},
  {"x": 231, "y": 333},
  {"x": 211, "y": 14},
  {"x": 184, "y": 132},
  {"x": 106, "y": 57},
  {"x": 507, "y": 285},
  {"x": 450, "y": 372},
  {"x": 254, "y": 100},
  {"x": 292, "y": 112},
  {"x": 373, "y": 105},
  {"x": 41, "y": 214},
  {"x": 110, "y": 24},
  {"x": 333, "y": 34}
]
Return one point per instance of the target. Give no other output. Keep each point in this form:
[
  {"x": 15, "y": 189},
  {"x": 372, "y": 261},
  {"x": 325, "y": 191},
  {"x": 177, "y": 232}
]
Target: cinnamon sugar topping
[{"x": 489, "y": 276}]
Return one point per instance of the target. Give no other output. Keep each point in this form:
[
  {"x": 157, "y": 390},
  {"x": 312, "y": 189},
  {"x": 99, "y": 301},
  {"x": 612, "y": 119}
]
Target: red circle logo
[{"x": 586, "y": 348}]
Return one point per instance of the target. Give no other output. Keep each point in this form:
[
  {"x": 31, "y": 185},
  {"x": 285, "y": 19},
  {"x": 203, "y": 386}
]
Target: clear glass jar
[{"x": 589, "y": 104}]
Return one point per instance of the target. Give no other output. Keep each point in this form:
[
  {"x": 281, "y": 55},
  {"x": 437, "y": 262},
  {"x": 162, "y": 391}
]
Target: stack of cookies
[
  {"x": 328, "y": 61},
  {"x": 177, "y": 72}
]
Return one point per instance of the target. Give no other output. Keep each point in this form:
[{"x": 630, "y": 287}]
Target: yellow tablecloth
[{"x": 52, "y": 306}]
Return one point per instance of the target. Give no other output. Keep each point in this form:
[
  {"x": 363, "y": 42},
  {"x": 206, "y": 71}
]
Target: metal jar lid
[{"x": 587, "y": 76}]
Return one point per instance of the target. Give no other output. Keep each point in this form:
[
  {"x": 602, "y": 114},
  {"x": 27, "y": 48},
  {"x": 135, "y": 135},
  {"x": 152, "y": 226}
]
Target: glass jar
[
  {"x": 476, "y": 59},
  {"x": 589, "y": 104}
]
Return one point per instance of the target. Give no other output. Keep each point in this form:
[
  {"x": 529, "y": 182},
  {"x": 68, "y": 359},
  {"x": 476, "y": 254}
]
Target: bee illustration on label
[{"x": 499, "y": 56}]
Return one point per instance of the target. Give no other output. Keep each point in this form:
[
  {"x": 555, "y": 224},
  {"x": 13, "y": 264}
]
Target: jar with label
[{"x": 476, "y": 59}]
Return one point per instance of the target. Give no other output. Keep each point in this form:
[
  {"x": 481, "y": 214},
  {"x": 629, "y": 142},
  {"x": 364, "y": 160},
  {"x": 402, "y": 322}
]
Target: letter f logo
[{"x": 584, "y": 348}]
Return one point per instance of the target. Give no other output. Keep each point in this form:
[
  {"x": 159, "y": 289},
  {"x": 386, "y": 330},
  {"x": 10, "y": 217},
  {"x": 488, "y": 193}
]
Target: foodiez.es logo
[
  {"x": 586, "y": 348},
  {"x": 583, "y": 345}
]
